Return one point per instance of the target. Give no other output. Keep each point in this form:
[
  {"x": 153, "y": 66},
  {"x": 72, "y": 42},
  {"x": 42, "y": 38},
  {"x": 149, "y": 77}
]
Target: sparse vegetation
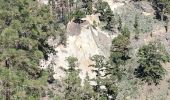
[{"x": 136, "y": 26}]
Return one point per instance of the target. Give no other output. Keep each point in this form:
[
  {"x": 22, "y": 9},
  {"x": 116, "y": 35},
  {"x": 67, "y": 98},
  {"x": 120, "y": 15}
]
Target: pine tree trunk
[{"x": 162, "y": 16}]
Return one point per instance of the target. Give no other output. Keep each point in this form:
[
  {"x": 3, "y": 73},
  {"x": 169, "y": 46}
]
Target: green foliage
[
  {"x": 125, "y": 32},
  {"x": 20, "y": 86},
  {"x": 100, "y": 64},
  {"x": 63, "y": 39},
  {"x": 162, "y": 7},
  {"x": 119, "y": 54},
  {"x": 72, "y": 61},
  {"x": 88, "y": 92},
  {"x": 103, "y": 98},
  {"x": 68, "y": 10},
  {"x": 109, "y": 19},
  {"x": 73, "y": 89},
  {"x": 78, "y": 14},
  {"x": 106, "y": 14},
  {"x": 88, "y": 5},
  {"x": 94, "y": 24},
  {"x": 119, "y": 51},
  {"x": 73, "y": 80},
  {"x": 24, "y": 31},
  {"x": 102, "y": 8},
  {"x": 150, "y": 61},
  {"x": 106, "y": 79},
  {"x": 167, "y": 5}
]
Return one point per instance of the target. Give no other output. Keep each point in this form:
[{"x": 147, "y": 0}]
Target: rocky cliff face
[{"x": 83, "y": 41}]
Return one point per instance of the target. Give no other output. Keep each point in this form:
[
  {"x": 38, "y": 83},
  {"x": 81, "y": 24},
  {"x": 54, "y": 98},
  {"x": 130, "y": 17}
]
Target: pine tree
[
  {"x": 119, "y": 54},
  {"x": 107, "y": 15},
  {"x": 150, "y": 61},
  {"x": 89, "y": 7},
  {"x": 162, "y": 7},
  {"x": 109, "y": 19},
  {"x": 23, "y": 42},
  {"x": 104, "y": 77},
  {"x": 119, "y": 50},
  {"x": 88, "y": 92},
  {"x": 100, "y": 64},
  {"x": 73, "y": 88}
]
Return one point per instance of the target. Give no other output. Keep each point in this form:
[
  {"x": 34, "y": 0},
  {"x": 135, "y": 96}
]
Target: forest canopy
[{"x": 24, "y": 29}]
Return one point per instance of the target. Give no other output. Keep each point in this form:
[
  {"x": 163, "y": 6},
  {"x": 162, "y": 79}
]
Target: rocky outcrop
[{"x": 83, "y": 41}]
